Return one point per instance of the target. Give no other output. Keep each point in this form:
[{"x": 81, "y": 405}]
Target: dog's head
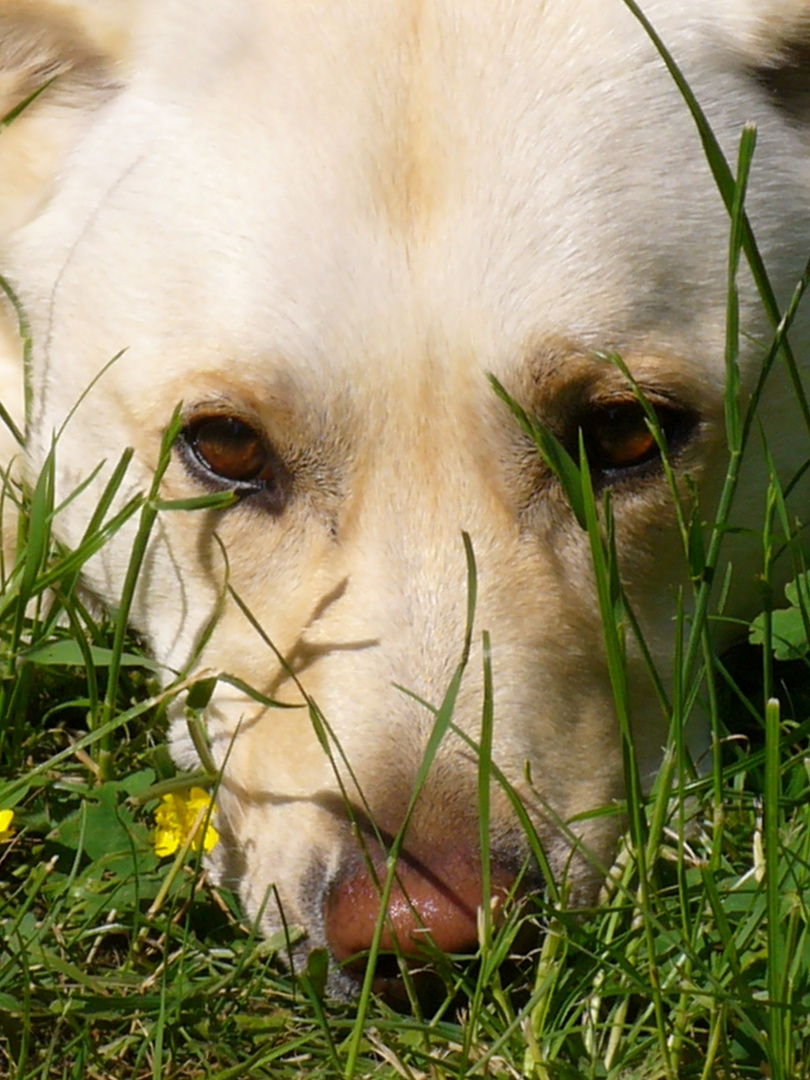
[{"x": 319, "y": 232}]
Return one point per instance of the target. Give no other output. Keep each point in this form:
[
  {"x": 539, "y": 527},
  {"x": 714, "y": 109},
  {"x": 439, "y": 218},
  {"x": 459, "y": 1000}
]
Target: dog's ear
[
  {"x": 58, "y": 63},
  {"x": 772, "y": 37}
]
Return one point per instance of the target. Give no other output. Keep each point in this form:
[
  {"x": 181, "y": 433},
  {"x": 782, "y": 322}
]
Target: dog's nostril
[{"x": 434, "y": 902}]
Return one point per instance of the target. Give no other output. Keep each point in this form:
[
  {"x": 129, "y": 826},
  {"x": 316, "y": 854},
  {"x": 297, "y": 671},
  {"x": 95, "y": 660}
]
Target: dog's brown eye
[
  {"x": 232, "y": 451},
  {"x": 617, "y": 436}
]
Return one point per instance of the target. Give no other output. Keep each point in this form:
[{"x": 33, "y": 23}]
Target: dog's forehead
[{"x": 375, "y": 180}]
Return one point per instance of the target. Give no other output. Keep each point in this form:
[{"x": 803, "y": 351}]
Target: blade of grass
[
  {"x": 779, "y": 1048},
  {"x": 604, "y": 562},
  {"x": 137, "y": 555},
  {"x": 484, "y": 758},
  {"x": 726, "y": 186}
]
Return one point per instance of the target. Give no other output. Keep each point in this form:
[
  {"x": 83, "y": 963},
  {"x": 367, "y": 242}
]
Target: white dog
[{"x": 320, "y": 227}]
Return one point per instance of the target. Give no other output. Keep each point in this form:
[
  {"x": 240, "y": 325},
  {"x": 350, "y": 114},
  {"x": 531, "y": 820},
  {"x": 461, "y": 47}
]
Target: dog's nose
[{"x": 435, "y": 899}]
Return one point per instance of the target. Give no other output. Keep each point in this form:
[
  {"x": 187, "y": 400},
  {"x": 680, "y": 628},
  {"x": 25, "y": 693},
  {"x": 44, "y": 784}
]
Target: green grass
[
  {"x": 114, "y": 962},
  {"x": 117, "y": 963}
]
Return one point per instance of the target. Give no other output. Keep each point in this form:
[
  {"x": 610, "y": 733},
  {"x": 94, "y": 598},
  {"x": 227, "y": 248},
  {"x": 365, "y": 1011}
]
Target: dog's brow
[{"x": 413, "y": 169}]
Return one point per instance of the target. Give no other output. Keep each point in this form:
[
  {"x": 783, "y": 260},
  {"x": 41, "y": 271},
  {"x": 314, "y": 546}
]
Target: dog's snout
[{"x": 433, "y": 901}]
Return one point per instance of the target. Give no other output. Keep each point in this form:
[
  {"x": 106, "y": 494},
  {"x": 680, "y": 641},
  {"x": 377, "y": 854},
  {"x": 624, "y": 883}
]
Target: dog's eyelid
[
  {"x": 221, "y": 408},
  {"x": 617, "y": 390},
  {"x": 625, "y": 399}
]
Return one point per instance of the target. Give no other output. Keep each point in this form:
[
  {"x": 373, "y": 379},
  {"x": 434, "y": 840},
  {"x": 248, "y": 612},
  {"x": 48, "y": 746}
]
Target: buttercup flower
[
  {"x": 6, "y": 831},
  {"x": 177, "y": 816}
]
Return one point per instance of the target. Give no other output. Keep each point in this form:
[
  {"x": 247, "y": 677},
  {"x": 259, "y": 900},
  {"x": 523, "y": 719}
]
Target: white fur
[{"x": 340, "y": 217}]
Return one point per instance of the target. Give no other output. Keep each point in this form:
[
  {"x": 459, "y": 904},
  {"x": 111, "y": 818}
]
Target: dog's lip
[{"x": 389, "y": 984}]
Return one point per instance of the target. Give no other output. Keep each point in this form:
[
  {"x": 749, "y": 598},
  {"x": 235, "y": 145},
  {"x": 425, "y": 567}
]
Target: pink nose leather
[{"x": 438, "y": 900}]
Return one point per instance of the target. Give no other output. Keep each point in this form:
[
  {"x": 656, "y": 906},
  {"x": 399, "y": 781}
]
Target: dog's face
[{"x": 320, "y": 231}]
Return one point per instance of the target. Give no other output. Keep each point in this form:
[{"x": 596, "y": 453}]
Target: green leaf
[
  {"x": 800, "y": 584},
  {"x": 135, "y": 784},
  {"x": 788, "y": 633},
  {"x": 200, "y": 694},
  {"x": 107, "y": 826},
  {"x": 9, "y": 1004},
  {"x": 316, "y": 972},
  {"x": 789, "y": 626},
  {"x": 68, "y": 654}
]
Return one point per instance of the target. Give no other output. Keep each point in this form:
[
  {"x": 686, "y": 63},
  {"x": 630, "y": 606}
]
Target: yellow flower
[
  {"x": 179, "y": 815},
  {"x": 6, "y": 831}
]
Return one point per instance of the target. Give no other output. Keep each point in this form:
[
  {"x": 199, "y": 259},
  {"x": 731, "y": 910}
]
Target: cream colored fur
[{"x": 333, "y": 220}]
